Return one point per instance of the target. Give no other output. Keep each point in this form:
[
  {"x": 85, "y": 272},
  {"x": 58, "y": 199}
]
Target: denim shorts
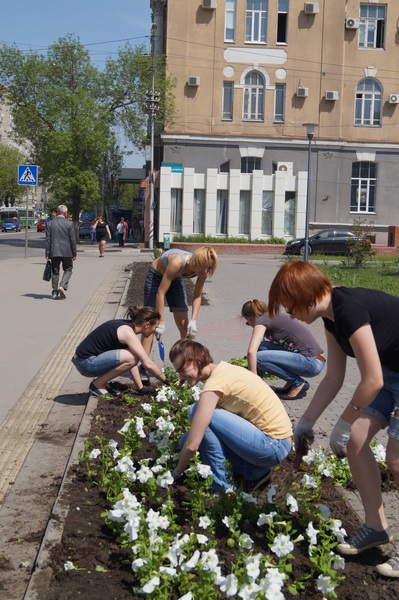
[
  {"x": 176, "y": 296},
  {"x": 386, "y": 402},
  {"x": 94, "y": 366}
]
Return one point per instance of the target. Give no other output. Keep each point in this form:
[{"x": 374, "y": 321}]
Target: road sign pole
[{"x": 26, "y": 222}]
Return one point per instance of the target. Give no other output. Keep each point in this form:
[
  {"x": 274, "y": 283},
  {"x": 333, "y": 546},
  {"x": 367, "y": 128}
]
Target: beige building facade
[{"x": 249, "y": 74}]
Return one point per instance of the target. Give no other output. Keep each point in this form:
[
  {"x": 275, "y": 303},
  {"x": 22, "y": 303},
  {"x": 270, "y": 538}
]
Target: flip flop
[{"x": 301, "y": 394}]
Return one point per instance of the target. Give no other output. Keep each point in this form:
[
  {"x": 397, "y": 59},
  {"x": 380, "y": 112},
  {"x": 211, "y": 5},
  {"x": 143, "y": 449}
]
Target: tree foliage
[
  {"x": 10, "y": 158},
  {"x": 70, "y": 110}
]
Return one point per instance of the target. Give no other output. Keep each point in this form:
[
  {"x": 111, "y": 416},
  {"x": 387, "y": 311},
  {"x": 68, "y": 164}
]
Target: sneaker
[
  {"x": 389, "y": 568},
  {"x": 62, "y": 292},
  {"x": 54, "y": 295},
  {"x": 364, "y": 538},
  {"x": 96, "y": 392},
  {"x": 145, "y": 378}
]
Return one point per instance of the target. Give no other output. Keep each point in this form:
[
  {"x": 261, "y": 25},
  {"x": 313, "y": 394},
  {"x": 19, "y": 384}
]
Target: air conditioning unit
[
  {"x": 302, "y": 92},
  {"x": 352, "y": 23},
  {"x": 393, "y": 99},
  {"x": 311, "y": 8},
  {"x": 194, "y": 81},
  {"x": 285, "y": 167},
  {"x": 331, "y": 95},
  {"x": 209, "y": 4}
]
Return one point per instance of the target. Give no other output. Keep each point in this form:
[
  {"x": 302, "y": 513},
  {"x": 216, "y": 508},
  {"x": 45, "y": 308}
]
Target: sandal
[{"x": 300, "y": 394}]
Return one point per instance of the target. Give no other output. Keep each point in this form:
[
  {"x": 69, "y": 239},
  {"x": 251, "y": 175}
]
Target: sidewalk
[{"x": 94, "y": 296}]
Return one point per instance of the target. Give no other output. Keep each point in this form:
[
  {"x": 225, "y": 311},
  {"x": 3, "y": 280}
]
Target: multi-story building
[{"x": 249, "y": 74}]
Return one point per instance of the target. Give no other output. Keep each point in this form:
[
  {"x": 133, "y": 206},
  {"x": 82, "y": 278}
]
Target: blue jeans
[
  {"x": 386, "y": 403},
  {"x": 94, "y": 366},
  {"x": 290, "y": 366},
  {"x": 249, "y": 450},
  {"x": 176, "y": 296}
]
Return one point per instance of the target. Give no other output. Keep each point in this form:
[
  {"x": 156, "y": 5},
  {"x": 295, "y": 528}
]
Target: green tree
[
  {"x": 69, "y": 110},
  {"x": 10, "y": 158}
]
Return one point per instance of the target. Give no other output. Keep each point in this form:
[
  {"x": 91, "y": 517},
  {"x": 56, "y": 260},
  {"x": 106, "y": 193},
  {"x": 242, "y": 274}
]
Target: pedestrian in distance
[
  {"x": 93, "y": 231},
  {"x": 102, "y": 234},
  {"x": 61, "y": 249},
  {"x": 238, "y": 418},
  {"x": 361, "y": 323},
  {"x": 282, "y": 347},
  {"x": 114, "y": 348},
  {"x": 121, "y": 229}
]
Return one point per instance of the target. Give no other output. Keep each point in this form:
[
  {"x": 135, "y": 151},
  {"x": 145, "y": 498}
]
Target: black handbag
[{"x": 47, "y": 271}]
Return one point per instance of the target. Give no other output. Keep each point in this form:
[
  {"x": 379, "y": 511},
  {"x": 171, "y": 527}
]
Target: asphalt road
[{"x": 12, "y": 245}]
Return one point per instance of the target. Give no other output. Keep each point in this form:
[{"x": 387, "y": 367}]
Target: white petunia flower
[
  {"x": 253, "y": 568},
  {"x": 204, "y": 522},
  {"x": 95, "y": 453},
  {"x": 379, "y": 453},
  {"x": 140, "y": 427},
  {"x": 209, "y": 560},
  {"x": 309, "y": 482},
  {"x": 249, "y": 498},
  {"x": 292, "y": 503},
  {"x": 150, "y": 586},
  {"x": 187, "y": 596},
  {"x": 274, "y": 577},
  {"x": 311, "y": 532},
  {"x": 245, "y": 541},
  {"x": 338, "y": 531},
  {"x": 126, "y": 426},
  {"x": 202, "y": 539},
  {"x": 339, "y": 561},
  {"x": 165, "y": 480},
  {"x": 144, "y": 474},
  {"x": 147, "y": 408},
  {"x": 266, "y": 519},
  {"x": 324, "y": 584},
  {"x": 229, "y": 585},
  {"x": 282, "y": 545},
  {"x": 229, "y": 522},
  {"x": 69, "y": 566},
  {"x": 170, "y": 571},
  {"x": 192, "y": 562},
  {"x": 249, "y": 591},
  {"x": 114, "y": 447},
  {"x": 138, "y": 563},
  {"x": 124, "y": 465}
]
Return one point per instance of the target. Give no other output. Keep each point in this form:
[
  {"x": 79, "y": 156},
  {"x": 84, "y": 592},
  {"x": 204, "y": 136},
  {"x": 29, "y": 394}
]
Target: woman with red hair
[{"x": 364, "y": 324}]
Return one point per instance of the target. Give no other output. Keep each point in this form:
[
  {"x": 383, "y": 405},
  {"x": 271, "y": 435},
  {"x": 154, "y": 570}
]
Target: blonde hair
[
  {"x": 254, "y": 308},
  {"x": 203, "y": 257}
]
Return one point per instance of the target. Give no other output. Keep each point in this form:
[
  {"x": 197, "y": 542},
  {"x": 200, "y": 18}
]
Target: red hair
[{"x": 297, "y": 285}]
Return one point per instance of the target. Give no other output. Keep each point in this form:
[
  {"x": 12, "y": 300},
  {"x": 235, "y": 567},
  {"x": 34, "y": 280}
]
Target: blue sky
[{"x": 104, "y": 25}]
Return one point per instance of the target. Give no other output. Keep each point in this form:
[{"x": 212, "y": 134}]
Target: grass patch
[{"x": 375, "y": 274}]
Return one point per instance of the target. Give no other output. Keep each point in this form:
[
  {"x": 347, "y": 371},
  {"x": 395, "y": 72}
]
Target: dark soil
[{"x": 90, "y": 544}]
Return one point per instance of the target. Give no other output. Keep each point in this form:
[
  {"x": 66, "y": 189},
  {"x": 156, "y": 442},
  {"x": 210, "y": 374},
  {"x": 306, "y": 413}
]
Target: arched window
[
  {"x": 254, "y": 95},
  {"x": 368, "y": 103}
]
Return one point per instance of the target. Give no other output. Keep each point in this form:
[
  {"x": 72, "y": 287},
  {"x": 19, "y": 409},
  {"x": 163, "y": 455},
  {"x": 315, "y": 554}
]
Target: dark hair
[
  {"x": 139, "y": 315},
  {"x": 188, "y": 351},
  {"x": 253, "y": 308}
]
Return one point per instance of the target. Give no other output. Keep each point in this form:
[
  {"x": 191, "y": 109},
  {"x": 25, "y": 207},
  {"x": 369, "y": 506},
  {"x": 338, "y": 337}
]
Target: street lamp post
[
  {"x": 310, "y": 127},
  {"x": 152, "y": 106}
]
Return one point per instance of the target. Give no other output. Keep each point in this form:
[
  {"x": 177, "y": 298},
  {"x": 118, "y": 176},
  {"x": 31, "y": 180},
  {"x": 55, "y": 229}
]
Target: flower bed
[{"x": 132, "y": 533}]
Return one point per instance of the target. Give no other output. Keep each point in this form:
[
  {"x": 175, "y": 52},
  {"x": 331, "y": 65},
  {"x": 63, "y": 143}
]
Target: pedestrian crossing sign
[{"x": 27, "y": 174}]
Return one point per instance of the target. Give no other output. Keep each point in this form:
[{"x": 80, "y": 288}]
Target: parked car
[
  {"x": 41, "y": 225},
  {"x": 85, "y": 229},
  {"x": 10, "y": 225},
  {"x": 327, "y": 241}
]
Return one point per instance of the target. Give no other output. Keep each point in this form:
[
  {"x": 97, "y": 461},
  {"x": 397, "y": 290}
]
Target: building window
[
  {"x": 279, "y": 102},
  {"x": 250, "y": 163},
  {"x": 368, "y": 103},
  {"x": 256, "y": 21},
  {"x": 267, "y": 213},
  {"x": 176, "y": 210},
  {"x": 221, "y": 212},
  {"x": 289, "y": 213},
  {"x": 282, "y": 21},
  {"x": 228, "y": 91},
  {"x": 199, "y": 211},
  {"x": 254, "y": 93},
  {"x": 244, "y": 216},
  {"x": 372, "y": 26},
  {"x": 230, "y": 21},
  {"x": 225, "y": 167},
  {"x": 363, "y": 187}
]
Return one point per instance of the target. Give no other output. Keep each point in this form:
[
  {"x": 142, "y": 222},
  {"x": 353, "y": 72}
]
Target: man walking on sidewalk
[{"x": 61, "y": 248}]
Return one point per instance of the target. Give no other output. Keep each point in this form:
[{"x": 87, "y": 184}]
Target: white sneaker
[
  {"x": 62, "y": 292},
  {"x": 389, "y": 568}
]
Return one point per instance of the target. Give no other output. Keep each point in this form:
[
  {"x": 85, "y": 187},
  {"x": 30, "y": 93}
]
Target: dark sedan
[{"x": 327, "y": 241}]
